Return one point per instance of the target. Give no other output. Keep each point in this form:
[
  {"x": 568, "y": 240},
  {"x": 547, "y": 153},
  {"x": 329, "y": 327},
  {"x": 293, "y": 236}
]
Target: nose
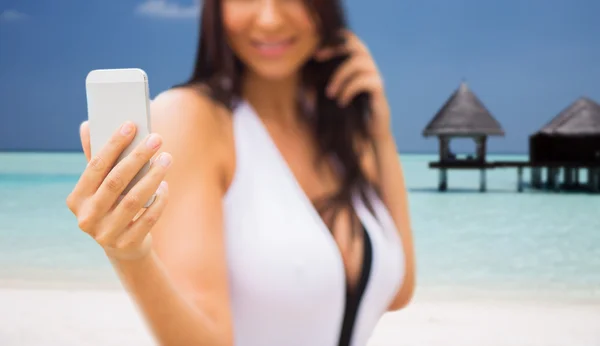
[{"x": 269, "y": 14}]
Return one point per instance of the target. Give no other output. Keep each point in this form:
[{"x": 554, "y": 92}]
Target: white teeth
[{"x": 270, "y": 45}]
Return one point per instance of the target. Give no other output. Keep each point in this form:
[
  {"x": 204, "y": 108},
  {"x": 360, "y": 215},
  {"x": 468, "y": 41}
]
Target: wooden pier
[
  {"x": 544, "y": 175},
  {"x": 558, "y": 153}
]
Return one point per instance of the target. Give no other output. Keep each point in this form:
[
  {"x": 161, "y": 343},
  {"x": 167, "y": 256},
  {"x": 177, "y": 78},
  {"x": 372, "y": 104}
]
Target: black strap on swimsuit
[{"x": 354, "y": 297}]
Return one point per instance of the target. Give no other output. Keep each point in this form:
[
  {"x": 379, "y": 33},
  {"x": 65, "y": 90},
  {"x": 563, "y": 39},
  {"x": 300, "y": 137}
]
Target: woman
[{"x": 274, "y": 234}]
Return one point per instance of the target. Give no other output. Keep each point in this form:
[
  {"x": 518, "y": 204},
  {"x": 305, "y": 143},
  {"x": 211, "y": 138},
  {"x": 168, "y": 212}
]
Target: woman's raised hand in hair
[{"x": 358, "y": 74}]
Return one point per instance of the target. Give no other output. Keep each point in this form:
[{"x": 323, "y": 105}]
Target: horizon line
[{"x": 71, "y": 151}]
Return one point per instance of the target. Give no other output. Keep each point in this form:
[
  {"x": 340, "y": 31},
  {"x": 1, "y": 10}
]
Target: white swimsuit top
[{"x": 287, "y": 278}]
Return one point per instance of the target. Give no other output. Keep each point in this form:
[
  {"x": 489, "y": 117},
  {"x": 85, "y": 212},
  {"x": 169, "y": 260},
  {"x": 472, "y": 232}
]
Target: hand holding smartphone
[
  {"x": 115, "y": 96},
  {"x": 119, "y": 180}
]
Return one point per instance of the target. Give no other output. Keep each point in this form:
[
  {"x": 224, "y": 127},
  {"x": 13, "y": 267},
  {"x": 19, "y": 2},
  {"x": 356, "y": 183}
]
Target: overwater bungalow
[
  {"x": 463, "y": 115},
  {"x": 568, "y": 144}
]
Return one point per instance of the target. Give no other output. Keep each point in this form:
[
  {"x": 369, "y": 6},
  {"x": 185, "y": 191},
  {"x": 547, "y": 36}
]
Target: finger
[
  {"x": 356, "y": 46},
  {"x": 88, "y": 219},
  {"x": 99, "y": 165},
  {"x": 346, "y": 71},
  {"x": 137, "y": 231},
  {"x": 136, "y": 198},
  {"x": 358, "y": 85},
  {"x": 84, "y": 134},
  {"x": 330, "y": 52},
  {"x": 351, "y": 45},
  {"x": 123, "y": 173}
]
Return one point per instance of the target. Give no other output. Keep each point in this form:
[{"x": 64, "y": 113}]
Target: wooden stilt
[
  {"x": 520, "y": 179},
  {"x": 536, "y": 177},
  {"x": 569, "y": 178},
  {"x": 550, "y": 177},
  {"x": 576, "y": 176},
  {"x": 443, "y": 180},
  {"x": 482, "y": 180}
]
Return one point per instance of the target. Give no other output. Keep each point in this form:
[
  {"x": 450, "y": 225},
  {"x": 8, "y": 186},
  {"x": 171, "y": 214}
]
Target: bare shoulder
[
  {"x": 183, "y": 102},
  {"x": 195, "y": 130},
  {"x": 188, "y": 115}
]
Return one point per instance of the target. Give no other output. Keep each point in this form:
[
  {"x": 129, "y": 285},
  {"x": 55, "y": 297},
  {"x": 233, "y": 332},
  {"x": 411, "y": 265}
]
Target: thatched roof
[
  {"x": 463, "y": 114},
  {"x": 582, "y": 117}
]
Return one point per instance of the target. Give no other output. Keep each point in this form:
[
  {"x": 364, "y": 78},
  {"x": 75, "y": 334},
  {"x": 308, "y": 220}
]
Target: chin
[{"x": 275, "y": 71}]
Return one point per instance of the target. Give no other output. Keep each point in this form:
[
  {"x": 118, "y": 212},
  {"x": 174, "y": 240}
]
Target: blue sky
[{"x": 525, "y": 59}]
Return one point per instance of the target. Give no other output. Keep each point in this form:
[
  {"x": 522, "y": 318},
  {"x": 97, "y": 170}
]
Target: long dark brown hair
[{"x": 336, "y": 129}]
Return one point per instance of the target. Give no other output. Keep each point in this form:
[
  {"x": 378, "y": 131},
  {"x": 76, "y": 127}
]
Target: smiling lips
[{"x": 273, "y": 48}]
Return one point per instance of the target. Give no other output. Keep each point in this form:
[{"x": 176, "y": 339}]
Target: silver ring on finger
[{"x": 150, "y": 201}]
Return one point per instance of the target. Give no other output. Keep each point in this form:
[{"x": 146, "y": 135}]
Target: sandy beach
[{"x": 90, "y": 318}]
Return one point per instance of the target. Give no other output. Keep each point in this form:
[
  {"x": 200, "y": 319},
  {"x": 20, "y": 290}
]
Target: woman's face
[{"x": 273, "y": 38}]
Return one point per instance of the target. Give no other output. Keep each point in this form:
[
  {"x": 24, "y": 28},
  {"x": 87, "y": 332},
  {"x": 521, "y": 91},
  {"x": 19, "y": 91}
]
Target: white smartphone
[{"x": 115, "y": 96}]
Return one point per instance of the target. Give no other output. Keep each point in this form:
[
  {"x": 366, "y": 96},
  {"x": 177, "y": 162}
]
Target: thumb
[{"x": 84, "y": 134}]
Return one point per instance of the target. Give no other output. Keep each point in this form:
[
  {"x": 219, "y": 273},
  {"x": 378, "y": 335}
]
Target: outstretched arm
[{"x": 177, "y": 274}]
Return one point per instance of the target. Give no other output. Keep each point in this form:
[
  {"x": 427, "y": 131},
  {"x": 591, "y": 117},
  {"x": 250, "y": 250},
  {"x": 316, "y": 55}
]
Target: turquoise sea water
[{"x": 500, "y": 242}]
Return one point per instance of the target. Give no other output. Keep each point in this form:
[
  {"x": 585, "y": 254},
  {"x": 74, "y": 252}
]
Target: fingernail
[
  {"x": 163, "y": 186},
  {"x": 126, "y": 128},
  {"x": 164, "y": 160},
  {"x": 153, "y": 141},
  {"x": 329, "y": 91}
]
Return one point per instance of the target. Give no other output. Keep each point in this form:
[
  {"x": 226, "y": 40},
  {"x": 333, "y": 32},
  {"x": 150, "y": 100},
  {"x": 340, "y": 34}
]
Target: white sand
[{"x": 85, "y": 317}]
